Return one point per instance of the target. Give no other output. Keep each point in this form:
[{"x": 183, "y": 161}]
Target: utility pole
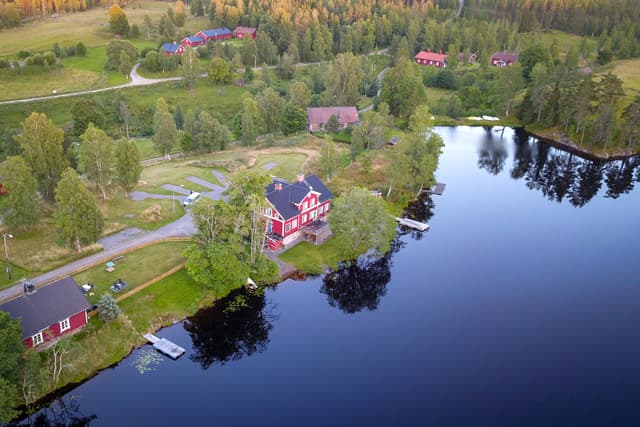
[{"x": 6, "y": 253}]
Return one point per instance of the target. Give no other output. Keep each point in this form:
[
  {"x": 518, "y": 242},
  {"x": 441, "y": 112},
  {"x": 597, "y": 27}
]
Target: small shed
[
  {"x": 242, "y": 32},
  {"x": 393, "y": 141}
]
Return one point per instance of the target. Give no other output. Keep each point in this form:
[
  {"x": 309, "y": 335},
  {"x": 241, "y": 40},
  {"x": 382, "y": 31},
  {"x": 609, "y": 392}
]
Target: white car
[{"x": 191, "y": 199}]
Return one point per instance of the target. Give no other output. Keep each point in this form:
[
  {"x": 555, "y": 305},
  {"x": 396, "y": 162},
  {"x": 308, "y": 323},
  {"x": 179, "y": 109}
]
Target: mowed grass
[
  {"x": 175, "y": 173},
  {"x": 122, "y": 212},
  {"x": 163, "y": 303},
  {"x": 288, "y": 165},
  {"x": 311, "y": 258},
  {"x": 137, "y": 268}
]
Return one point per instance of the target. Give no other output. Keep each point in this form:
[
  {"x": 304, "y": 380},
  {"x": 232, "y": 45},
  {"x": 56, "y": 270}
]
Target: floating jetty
[
  {"x": 165, "y": 346},
  {"x": 422, "y": 226},
  {"x": 437, "y": 189}
]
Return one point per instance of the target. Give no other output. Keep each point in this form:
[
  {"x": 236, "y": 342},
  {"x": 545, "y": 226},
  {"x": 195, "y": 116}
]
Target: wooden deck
[
  {"x": 422, "y": 226},
  {"x": 165, "y": 346},
  {"x": 437, "y": 189}
]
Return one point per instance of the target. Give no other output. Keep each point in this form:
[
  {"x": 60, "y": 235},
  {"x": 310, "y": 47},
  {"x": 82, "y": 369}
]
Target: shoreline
[{"x": 571, "y": 147}]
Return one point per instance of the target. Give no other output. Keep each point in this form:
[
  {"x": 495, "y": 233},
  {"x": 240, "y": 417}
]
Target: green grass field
[
  {"x": 629, "y": 71},
  {"x": 137, "y": 268},
  {"x": 311, "y": 258}
]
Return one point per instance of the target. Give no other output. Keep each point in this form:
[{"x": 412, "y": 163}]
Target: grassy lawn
[
  {"x": 15, "y": 86},
  {"x": 288, "y": 164},
  {"x": 124, "y": 212},
  {"x": 17, "y": 273},
  {"x": 137, "y": 268},
  {"x": 163, "y": 303},
  {"x": 435, "y": 93},
  {"x": 175, "y": 173},
  {"x": 311, "y": 258},
  {"x": 629, "y": 71},
  {"x": 36, "y": 251}
]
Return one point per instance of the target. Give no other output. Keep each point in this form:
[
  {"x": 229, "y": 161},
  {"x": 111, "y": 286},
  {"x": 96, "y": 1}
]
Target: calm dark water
[{"x": 520, "y": 307}]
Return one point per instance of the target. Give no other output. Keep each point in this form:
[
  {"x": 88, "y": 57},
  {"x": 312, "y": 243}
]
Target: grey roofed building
[{"x": 50, "y": 304}]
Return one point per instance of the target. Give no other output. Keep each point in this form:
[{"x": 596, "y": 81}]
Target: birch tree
[{"x": 96, "y": 158}]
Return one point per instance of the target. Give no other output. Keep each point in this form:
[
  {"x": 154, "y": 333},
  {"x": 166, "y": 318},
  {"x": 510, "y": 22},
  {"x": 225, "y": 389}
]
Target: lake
[{"x": 520, "y": 306}]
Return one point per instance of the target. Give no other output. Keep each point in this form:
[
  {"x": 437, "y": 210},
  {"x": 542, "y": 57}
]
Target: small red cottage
[
  {"x": 297, "y": 209},
  {"x": 215, "y": 34},
  {"x": 317, "y": 117},
  {"x": 503, "y": 59},
  {"x": 432, "y": 59},
  {"x": 242, "y": 32},
  {"x": 49, "y": 312},
  {"x": 2, "y": 190},
  {"x": 193, "y": 41},
  {"x": 172, "y": 49}
]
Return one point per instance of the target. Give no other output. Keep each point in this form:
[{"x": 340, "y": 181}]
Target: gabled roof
[
  {"x": 49, "y": 305},
  {"x": 171, "y": 47},
  {"x": 240, "y": 29},
  {"x": 292, "y": 194},
  {"x": 431, "y": 56},
  {"x": 216, "y": 32},
  {"x": 194, "y": 39},
  {"x": 322, "y": 114},
  {"x": 505, "y": 56}
]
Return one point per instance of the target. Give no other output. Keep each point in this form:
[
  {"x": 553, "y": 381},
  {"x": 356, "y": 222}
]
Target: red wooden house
[
  {"x": 215, "y": 34},
  {"x": 503, "y": 59},
  {"x": 317, "y": 117},
  {"x": 432, "y": 59},
  {"x": 2, "y": 190},
  {"x": 297, "y": 209},
  {"x": 172, "y": 49},
  {"x": 49, "y": 312},
  {"x": 193, "y": 41},
  {"x": 242, "y": 32}
]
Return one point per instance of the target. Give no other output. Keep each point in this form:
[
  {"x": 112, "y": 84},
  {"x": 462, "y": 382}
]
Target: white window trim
[
  {"x": 287, "y": 227},
  {"x": 294, "y": 223},
  {"x": 304, "y": 219},
  {"x": 62, "y": 325},
  {"x": 37, "y": 339}
]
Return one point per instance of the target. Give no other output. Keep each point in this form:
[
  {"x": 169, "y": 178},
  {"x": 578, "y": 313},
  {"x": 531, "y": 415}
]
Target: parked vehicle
[{"x": 191, "y": 199}]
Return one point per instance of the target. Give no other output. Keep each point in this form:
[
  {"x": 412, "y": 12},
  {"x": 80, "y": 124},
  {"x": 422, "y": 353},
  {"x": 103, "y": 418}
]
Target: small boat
[
  {"x": 422, "y": 226},
  {"x": 251, "y": 284}
]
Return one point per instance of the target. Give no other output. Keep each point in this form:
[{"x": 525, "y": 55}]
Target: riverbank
[{"x": 559, "y": 140}]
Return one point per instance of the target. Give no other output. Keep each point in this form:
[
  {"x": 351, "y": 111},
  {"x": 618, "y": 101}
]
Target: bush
[
  {"x": 202, "y": 52},
  {"x": 81, "y": 49},
  {"x": 135, "y": 31},
  {"x": 49, "y": 58},
  {"x": 4, "y": 64},
  {"x": 23, "y": 54}
]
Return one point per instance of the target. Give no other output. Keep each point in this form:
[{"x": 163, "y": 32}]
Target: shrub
[
  {"x": 23, "y": 54},
  {"x": 81, "y": 49}
]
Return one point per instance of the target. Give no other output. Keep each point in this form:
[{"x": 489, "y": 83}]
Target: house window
[
  {"x": 267, "y": 211},
  {"x": 294, "y": 223},
  {"x": 287, "y": 227},
  {"x": 304, "y": 206},
  {"x": 312, "y": 202},
  {"x": 37, "y": 339},
  {"x": 64, "y": 325},
  {"x": 304, "y": 219},
  {"x": 313, "y": 215},
  {"x": 326, "y": 207}
]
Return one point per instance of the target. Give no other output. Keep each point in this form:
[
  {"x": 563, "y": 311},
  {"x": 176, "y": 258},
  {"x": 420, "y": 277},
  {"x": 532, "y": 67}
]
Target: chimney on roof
[
  {"x": 278, "y": 186},
  {"x": 300, "y": 177}
]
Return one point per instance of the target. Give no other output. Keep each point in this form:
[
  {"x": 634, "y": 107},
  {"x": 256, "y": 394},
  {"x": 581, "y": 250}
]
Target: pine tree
[
  {"x": 78, "y": 218},
  {"x": 108, "y": 308}
]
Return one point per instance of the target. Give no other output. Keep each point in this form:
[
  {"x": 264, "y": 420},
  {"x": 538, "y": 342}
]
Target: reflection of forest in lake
[
  {"x": 557, "y": 174},
  {"x": 63, "y": 412},
  {"x": 236, "y": 326}
]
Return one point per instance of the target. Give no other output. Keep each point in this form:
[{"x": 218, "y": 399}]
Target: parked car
[{"x": 191, "y": 199}]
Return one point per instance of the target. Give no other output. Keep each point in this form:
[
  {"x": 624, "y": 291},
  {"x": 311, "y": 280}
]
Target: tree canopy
[{"x": 22, "y": 205}]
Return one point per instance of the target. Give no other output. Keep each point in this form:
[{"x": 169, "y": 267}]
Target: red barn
[
  {"x": 215, "y": 34},
  {"x": 432, "y": 59},
  {"x": 193, "y": 41},
  {"x": 317, "y": 117},
  {"x": 297, "y": 209},
  {"x": 503, "y": 59},
  {"x": 2, "y": 190},
  {"x": 242, "y": 32},
  {"x": 172, "y": 49},
  {"x": 49, "y": 312}
]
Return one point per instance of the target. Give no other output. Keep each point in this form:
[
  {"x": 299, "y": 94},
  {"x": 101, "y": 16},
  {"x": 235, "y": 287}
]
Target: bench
[{"x": 118, "y": 258}]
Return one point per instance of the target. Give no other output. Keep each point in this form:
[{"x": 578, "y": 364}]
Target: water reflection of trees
[
  {"x": 359, "y": 285},
  {"x": 237, "y": 326},
  {"x": 557, "y": 174},
  {"x": 421, "y": 209},
  {"x": 61, "y": 413}
]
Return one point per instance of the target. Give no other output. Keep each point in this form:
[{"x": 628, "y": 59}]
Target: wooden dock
[
  {"x": 422, "y": 226},
  {"x": 165, "y": 346},
  {"x": 437, "y": 189}
]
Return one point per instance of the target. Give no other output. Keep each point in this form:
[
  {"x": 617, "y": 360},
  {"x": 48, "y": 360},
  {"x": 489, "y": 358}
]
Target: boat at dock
[{"x": 422, "y": 226}]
